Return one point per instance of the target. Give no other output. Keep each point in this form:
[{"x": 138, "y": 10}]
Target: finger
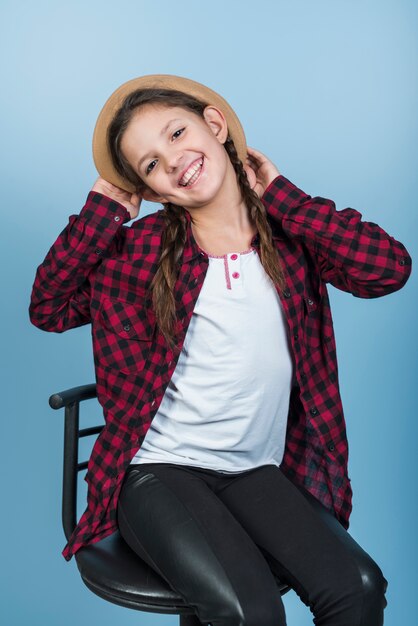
[
  {"x": 255, "y": 158},
  {"x": 254, "y": 150},
  {"x": 257, "y": 154},
  {"x": 255, "y": 165}
]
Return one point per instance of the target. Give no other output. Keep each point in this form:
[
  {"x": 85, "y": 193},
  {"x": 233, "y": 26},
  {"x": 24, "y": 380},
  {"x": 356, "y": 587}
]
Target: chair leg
[{"x": 190, "y": 620}]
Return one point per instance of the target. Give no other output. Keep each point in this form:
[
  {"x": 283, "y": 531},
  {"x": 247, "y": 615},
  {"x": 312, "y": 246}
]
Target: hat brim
[{"x": 101, "y": 154}]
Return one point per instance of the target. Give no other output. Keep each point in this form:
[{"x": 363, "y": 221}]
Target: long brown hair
[{"x": 174, "y": 234}]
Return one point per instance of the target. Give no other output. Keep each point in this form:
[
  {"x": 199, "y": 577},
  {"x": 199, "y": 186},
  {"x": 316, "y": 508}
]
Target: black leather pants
[{"x": 216, "y": 538}]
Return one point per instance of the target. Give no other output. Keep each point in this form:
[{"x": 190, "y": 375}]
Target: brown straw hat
[{"x": 101, "y": 153}]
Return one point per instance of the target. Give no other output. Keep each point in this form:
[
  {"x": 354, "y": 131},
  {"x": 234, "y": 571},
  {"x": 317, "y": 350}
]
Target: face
[{"x": 179, "y": 155}]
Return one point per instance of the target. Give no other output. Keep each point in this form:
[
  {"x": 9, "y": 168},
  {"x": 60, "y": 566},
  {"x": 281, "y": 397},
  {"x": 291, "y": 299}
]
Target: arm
[
  {"x": 353, "y": 255},
  {"x": 60, "y": 297}
]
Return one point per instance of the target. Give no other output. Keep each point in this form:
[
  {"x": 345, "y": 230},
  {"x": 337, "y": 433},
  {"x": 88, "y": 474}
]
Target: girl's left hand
[{"x": 260, "y": 171}]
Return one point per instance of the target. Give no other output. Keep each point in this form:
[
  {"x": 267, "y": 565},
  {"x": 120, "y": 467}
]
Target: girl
[{"x": 224, "y": 455}]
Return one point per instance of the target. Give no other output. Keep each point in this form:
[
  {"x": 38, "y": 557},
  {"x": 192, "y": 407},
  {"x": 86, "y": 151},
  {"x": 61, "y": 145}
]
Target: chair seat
[{"x": 114, "y": 572}]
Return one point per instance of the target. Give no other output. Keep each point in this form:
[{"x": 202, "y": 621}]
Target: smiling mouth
[{"x": 197, "y": 170}]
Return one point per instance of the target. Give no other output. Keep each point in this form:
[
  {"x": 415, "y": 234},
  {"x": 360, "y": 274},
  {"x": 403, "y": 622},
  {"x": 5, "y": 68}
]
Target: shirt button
[
  {"x": 127, "y": 327},
  {"x": 331, "y": 447},
  {"x": 98, "y": 251},
  {"x": 235, "y": 275},
  {"x": 286, "y": 293},
  {"x": 117, "y": 218},
  {"x": 314, "y": 411},
  {"x": 296, "y": 336},
  {"x": 310, "y": 302},
  {"x": 402, "y": 262},
  {"x": 303, "y": 376},
  {"x": 234, "y": 256}
]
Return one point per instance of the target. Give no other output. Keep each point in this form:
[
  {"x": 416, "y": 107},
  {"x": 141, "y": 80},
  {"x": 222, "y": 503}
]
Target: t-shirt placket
[{"x": 232, "y": 267}]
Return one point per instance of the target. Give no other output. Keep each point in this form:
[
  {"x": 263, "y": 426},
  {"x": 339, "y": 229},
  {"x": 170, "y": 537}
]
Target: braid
[
  {"x": 172, "y": 245},
  {"x": 270, "y": 258}
]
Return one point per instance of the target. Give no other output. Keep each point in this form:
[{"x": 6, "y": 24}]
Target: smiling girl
[{"x": 223, "y": 460}]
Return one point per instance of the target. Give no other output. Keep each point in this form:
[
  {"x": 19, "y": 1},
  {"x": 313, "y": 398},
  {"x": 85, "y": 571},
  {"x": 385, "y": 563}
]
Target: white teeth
[{"x": 186, "y": 178}]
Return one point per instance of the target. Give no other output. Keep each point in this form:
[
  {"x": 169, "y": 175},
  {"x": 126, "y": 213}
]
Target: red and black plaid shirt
[{"x": 98, "y": 271}]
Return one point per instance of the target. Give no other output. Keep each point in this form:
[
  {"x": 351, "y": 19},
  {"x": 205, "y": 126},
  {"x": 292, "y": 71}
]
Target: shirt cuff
[
  {"x": 103, "y": 212},
  {"x": 281, "y": 195}
]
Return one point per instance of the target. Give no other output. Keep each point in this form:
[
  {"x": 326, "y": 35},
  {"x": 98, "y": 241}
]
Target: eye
[
  {"x": 180, "y": 130},
  {"x": 148, "y": 168}
]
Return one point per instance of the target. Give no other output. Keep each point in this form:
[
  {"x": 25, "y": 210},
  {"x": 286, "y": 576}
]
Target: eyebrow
[{"x": 164, "y": 130}]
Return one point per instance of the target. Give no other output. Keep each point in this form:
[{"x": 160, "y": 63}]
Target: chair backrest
[{"x": 70, "y": 400}]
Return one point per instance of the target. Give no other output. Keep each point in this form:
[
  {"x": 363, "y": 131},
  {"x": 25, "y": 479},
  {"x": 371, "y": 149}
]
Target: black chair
[{"x": 109, "y": 567}]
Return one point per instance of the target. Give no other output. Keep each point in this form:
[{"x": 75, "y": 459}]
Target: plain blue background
[{"x": 327, "y": 90}]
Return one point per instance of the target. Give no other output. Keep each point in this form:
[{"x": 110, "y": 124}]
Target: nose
[{"x": 174, "y": 161}]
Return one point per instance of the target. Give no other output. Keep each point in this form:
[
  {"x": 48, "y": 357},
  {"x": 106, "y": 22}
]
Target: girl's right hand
[{"x": 131, "y": 201}]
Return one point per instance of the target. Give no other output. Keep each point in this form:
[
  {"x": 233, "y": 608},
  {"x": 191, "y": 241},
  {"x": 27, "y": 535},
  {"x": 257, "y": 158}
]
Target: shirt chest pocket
[{"x": 123, "y": 335}]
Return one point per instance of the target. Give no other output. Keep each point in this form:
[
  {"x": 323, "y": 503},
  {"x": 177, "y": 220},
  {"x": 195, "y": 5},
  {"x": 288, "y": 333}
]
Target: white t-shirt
[{"x": 227, "y": 403}]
